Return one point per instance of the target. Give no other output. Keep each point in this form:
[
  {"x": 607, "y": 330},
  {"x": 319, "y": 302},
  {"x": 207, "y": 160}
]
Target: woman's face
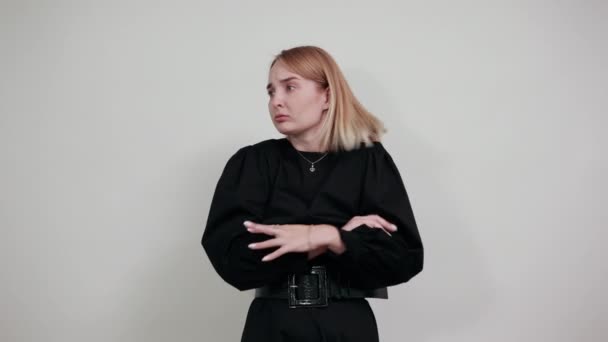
[{"x": 300, "y": 100}]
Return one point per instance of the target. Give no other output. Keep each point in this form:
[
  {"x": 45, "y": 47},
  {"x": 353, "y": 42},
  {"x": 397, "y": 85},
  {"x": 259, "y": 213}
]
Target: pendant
[{"x": 312, "y": 168}]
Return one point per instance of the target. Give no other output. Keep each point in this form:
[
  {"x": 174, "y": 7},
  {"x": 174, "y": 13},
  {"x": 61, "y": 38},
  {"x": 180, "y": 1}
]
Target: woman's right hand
[{"x": 373, "y": 221}]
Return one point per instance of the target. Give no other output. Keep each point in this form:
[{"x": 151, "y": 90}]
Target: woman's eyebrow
[{"x": 283, "y": 81}]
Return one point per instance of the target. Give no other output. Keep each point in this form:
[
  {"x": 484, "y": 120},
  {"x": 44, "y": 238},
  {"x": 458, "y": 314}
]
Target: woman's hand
[
  {"x": 316, "y": 252},
  {"x": 374, "y": 221},
  {"x": 290, "y": 238}
]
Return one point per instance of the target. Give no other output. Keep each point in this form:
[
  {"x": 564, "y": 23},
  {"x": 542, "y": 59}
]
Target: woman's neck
[{"x": 303, "y": 144}]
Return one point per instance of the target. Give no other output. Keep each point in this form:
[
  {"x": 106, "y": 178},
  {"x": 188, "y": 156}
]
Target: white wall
[{"x": 117, "y": 119}]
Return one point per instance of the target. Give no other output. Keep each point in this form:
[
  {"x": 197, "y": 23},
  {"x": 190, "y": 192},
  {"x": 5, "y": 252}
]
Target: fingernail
[
  {"x": 394, "y": 226},
  {"x": 250, "y": 230},
  {"x": 251, "y": 245},
  {"x": 246, "y": 223},
  {"x": 265, "y": 258}
]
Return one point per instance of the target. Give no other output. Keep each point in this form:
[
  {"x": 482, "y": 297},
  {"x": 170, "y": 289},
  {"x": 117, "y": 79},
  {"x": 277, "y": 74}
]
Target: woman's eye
[
  {"x": 290, "y": 87},
  {"x": 270, "y": 92}
]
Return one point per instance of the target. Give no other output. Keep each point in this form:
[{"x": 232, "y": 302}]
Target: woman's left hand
[{"x": 288, "y": 237}]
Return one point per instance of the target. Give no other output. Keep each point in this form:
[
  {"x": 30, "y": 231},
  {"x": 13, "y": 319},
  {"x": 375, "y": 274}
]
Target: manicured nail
[
  {"x": 247, "y": 223},
  {"x": 394, "y": 226},
  {"x": 265, "y": 258},
  {"x": 251, "y": 245}
]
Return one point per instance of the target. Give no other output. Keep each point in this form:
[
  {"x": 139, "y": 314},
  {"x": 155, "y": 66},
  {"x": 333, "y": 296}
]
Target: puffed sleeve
[
  {"x": 241, "y": 194},
  {"x": 373, "y": 258}
]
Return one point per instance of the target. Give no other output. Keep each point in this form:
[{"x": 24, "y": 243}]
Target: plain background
[{"x": 117, "y": 118}]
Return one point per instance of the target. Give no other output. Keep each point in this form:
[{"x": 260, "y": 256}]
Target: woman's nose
[{"x": 276, "y": 101}]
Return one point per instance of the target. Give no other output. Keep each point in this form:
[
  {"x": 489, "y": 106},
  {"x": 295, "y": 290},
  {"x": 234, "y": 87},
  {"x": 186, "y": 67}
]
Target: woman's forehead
[{"x": 280, "y": 74}]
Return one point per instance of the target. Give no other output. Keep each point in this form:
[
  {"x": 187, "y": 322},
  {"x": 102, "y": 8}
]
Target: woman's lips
[{"x": 281, "y": 117}]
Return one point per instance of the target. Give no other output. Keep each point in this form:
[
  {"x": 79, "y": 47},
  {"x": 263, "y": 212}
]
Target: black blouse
[{"x": 270, "y": 183}]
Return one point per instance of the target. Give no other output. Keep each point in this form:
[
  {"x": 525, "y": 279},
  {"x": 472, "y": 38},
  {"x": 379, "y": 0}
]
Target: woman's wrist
[
  {"x": 313, "y": 253},
  {"x": 328, "y": 236}
]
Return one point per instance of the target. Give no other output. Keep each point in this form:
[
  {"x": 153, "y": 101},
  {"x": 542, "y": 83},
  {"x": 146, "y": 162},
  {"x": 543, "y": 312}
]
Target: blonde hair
[{"x": 347, "y": 123}]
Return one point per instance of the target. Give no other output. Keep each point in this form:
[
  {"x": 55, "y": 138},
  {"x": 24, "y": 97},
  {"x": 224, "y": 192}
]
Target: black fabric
[
  {"x": 270, "y": 183},
  {"x": 347, "y": 320}
]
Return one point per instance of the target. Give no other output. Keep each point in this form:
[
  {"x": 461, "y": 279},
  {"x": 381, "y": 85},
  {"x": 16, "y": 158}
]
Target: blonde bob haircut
[{"x": 347, "y": 123}]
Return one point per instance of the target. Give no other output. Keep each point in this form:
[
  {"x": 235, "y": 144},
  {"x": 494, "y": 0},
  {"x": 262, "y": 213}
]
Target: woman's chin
[{"x": 285, "y": 130}]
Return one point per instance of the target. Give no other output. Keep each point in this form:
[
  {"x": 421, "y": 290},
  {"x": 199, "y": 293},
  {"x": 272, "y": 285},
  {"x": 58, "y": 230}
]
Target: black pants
[{"x": 346, "y": 320}]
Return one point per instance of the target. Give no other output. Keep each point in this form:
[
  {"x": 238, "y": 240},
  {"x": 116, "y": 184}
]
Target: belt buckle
[{"x": 320, "y": 301}]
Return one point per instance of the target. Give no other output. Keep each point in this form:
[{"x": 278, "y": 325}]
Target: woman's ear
[{"x": 326, "y": 98}]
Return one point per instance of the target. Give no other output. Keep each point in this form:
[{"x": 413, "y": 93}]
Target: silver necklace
[{"x": 312, "y": 164}]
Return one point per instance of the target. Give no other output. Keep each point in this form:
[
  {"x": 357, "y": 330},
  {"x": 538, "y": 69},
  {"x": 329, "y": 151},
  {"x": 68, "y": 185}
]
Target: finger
[
  {"x": 351, "y": 225},
  {"x": 358, "y": 221},
  {"x": 379, "y": 222},
  {"x": 260, "y": 228},
  {"x": 255, "y": 230},
  {"x": 375, "y": 223},
  {"x": 355, "y": 222},
  {"x": 347, "y": 228},
  {"x": 275, "y": 254},
  {"x": 251, "y": 226},
  {"x": 386, "y": 224},
  {"x": 265, "y": 244},
  {"x": 386, "y": 231}
]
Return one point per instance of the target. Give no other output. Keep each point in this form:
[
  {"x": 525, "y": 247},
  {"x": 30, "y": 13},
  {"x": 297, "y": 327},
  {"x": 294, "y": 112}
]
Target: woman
[{"x": 317, "y": 221}]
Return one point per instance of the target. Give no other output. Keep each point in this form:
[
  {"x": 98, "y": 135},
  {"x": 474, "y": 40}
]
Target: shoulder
[
  {"x": 263, "y": 150},
  {"x": 257, "y": 156},
  {"x": 378, "y": 156},
  {"x": 374, "y": 149},
  {"x": 257, "y": 149},
  {"x": 267, "y": 146},
  {"x": 377, "y": 146}
]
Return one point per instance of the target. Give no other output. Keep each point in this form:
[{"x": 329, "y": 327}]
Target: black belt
[{"x": 313, "y": 289}]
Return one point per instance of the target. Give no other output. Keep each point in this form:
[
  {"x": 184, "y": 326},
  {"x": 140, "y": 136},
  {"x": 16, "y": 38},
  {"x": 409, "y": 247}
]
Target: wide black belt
[{"x": 313, "y": 289}]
